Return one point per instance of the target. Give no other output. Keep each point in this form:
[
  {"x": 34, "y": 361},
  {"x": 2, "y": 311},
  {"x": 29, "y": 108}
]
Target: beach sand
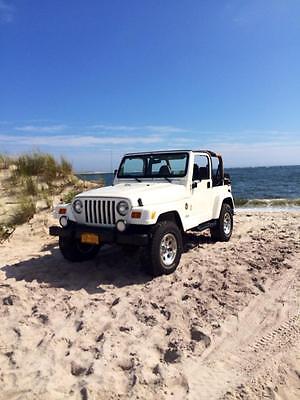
[{"x": 225, "y": 325}]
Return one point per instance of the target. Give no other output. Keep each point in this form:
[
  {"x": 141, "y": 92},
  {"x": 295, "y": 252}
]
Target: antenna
[{"x": 111, "y": 166}]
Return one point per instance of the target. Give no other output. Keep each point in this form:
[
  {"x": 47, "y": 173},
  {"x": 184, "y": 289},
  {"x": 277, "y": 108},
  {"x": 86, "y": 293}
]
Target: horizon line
[{"x": 255, "y": 166}]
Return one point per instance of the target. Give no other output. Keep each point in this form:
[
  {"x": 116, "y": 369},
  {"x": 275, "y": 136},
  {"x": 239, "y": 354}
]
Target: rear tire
[
  {"x": 223, "y": 231},
  {"x": 75, "y": 251},
  {"x": 165, "y": 249}
]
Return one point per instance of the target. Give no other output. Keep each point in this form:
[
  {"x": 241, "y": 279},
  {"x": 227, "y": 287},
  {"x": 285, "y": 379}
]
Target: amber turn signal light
[
  {"x": 136, "y": 214},
  {"x": 62, "y": 211}
]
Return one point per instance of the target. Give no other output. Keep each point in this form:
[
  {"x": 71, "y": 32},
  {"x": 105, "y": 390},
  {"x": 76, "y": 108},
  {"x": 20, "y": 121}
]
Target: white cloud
[
  {"x": 245, "y": 148},
  {"x": 6, "y": 12},
  {"x": 120, "y": 128},
  {"x": 41, "y": 129},
  {"x": 78, "y": 141},
  {"x": 154, "y": 129},
  {"x": 256, "y": 154},
  {"x": 134, "y": 128},
  {"x": 165, "y": 129},
  {"x": 270, "y": 15}
]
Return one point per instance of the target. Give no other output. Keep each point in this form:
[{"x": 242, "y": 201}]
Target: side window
[
  {"x": 215, "y": 171},
  {"x": 201, "y": 168}
]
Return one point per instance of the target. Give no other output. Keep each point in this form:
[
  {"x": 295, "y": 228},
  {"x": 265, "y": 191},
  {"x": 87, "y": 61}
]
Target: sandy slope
[{"x": 224, "y": 326}]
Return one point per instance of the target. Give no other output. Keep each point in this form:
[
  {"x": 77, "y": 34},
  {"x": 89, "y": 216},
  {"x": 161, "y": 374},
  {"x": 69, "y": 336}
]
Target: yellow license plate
[{"x": 89, "y": 238}]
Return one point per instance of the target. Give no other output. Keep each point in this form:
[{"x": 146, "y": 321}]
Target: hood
[{"x": 149, "y": 192}]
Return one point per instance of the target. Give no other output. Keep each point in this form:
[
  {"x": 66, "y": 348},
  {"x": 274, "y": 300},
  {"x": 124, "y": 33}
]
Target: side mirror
[{"x": 194, "y": 185}]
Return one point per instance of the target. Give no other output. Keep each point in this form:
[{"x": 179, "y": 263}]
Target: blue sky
[{"x": 94, "y": 79}]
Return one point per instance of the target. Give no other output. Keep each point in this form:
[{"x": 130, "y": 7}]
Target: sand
[{"x": 225, "y": 325}]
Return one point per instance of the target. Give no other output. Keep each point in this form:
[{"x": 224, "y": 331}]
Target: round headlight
[
  {"x": 123, "y": 208},
  {"x": 77, "y": 206}
]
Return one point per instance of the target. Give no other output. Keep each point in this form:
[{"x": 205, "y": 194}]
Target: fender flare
[
  {"x": 171, "y": 216},
  {"x": 220, "y": 200}
]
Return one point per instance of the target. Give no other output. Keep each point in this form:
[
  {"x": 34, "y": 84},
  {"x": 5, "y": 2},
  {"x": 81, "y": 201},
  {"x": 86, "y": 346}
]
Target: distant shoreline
[
  {"x": 227, "y": 168},
  {"x": 266, "y": 188}
]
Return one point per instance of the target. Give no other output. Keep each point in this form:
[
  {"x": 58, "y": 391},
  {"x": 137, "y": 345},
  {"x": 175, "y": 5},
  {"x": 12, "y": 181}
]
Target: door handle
[{"x": 208, "y": 184}]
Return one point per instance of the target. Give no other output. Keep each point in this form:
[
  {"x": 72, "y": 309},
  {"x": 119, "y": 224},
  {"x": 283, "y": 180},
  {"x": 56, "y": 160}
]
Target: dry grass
[
  {"x": 24, "y": 212},
  {"x": 32, "y": 181},
  {"x": 68, "y": 197},
  {"x": 32, "y": 177},
  {"x": 30, "y": 186},
  {"x": 43, "y": 166},
  {"x": 65, "y": 167},
  {"x": 5, "y": 161},
  {"x": 21, "y": 214}
]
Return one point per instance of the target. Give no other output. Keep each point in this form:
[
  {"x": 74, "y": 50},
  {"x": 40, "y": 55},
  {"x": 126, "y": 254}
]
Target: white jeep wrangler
[{"x": 154, "y": 199}]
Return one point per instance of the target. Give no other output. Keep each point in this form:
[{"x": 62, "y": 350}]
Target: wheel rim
[
  {"x": 227, "y": 224},
  {"x": 168, "y": 249}
]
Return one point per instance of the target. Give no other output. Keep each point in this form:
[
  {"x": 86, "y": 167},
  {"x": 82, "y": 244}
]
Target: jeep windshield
[{"x": 164, "y": 165}]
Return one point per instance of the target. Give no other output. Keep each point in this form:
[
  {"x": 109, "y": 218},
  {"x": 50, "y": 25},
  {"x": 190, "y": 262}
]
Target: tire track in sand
[{"x": 269, "y": 326}]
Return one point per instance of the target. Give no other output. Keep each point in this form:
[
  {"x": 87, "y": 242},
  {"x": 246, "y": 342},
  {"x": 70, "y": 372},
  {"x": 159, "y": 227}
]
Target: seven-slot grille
[{"x": 100, "y": 212}]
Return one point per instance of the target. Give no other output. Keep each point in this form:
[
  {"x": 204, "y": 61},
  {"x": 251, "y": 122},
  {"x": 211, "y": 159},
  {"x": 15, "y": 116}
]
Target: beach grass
[
  {"x": 32, "y": 182},
  {"x": 24, "y": 211},
  {"x": 42, "y": 165},
  {"x": 5, "y": 161},
  {"x": 29, "y": 179},
  {"x": 69, "y": 196}
]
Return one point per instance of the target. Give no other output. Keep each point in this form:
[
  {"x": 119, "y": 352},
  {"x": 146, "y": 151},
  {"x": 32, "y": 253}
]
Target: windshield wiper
[
  {"x": 167, "y": 179},
  {"x": 137, "y": 179}
]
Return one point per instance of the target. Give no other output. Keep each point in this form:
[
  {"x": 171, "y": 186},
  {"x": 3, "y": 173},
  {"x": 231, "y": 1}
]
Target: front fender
[
  {"x": 151, "y": 214},
  {"x": 64, "y": 209}
]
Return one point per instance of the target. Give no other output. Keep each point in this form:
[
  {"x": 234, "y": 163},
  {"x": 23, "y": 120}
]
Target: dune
[{"x": 225, "y": 325}]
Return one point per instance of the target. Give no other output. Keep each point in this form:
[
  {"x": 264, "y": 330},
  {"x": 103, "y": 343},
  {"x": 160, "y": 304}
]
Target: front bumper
[{"x": 106, "y": 235}]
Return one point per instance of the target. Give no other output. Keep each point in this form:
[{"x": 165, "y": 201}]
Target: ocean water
[{"x": 251, "y": 187}]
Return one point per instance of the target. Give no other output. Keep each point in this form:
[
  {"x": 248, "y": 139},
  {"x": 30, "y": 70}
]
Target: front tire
[
  {"x": 165, "y": 249},
  {"x": 75, "y": 251},
  {"x": 223, "y": 231}
]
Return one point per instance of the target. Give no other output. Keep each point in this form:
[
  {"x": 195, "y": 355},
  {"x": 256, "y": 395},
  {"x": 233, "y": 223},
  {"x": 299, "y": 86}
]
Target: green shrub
[
  {"x": 24, "y": 212},
  {"x": 30, "y": 186},
  {"x": 35, "y": 176},
  {"x": 68, "y": 197}
]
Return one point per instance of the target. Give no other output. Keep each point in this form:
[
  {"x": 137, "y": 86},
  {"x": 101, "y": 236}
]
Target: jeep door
[
  {"x": 201, "y": 190},
  {"x": 218, "y": 188}
]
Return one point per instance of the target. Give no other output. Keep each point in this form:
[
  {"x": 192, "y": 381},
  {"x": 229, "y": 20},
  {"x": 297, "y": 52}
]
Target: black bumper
[{"x": 106, "y": 235}]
